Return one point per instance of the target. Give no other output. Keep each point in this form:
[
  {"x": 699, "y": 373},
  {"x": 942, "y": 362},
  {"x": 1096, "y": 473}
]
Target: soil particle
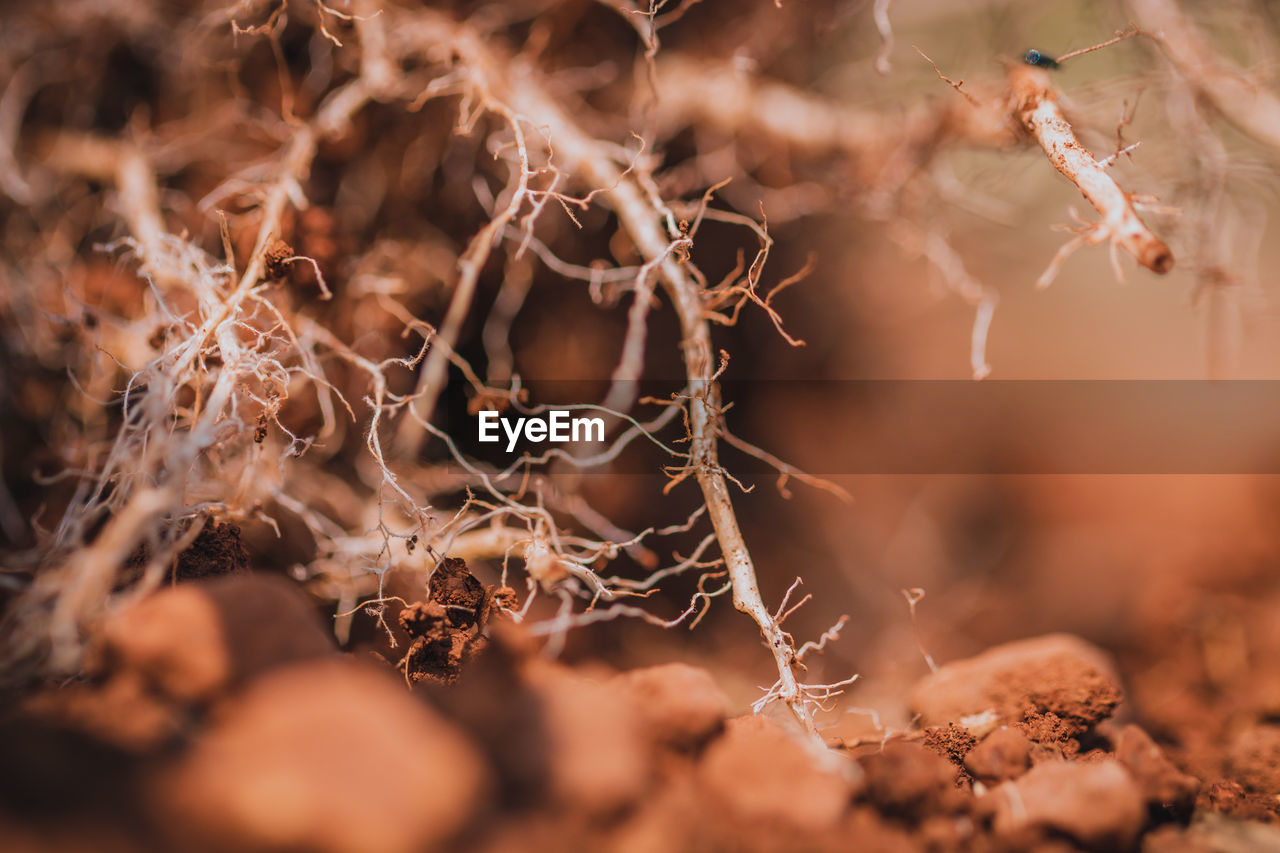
[
  {"x": 1096, "y": 803},
  {"x": 952, "y": 742},
  {"x": 173, "y": 640},
  {"x": 1052, "y": 736},
  {"x": 1168, "y": 791},
  {"x": 1003, "y": 754},
  {"x": 1229, "y": 798},
  {"x": 1059, "y": 683},
  {"x": 601, "y": 763},
  {"x": 453, "y": 586},
  {"x": 1253, "y": 759},
  {"x": 121, "y": 712},
  {"x": 759, "y": 772},
  {"x": 217, "y": 550},
  {"x": 192, "y": 641},
  {"x": 908, "y": 782},
  {"x": 267, "y": 622},
  {"x": 1081, "y": 698},
  {"x": 679, "y": 705},
  {"x": 323, "y": 756},
  {"x": 448, "y": 628},
  {"x": 276, "y": 260},
  {"x": 439, "y": 649}
]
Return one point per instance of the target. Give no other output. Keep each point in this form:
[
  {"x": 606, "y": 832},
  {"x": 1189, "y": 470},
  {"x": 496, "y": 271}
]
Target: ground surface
[{"x": 219, "y": 716}]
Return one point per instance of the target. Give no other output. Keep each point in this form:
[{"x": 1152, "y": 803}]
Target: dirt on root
[
  {"x": 448, "y": 627},
  {"x": 217, "y": 550}
]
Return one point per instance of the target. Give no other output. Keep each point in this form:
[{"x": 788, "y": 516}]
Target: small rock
[
  {"x": 1003, "y": 754},
  {"x": 759, "y": 772},
  {"x": 1097, "y": 803},
  {"x": 952, "y": 742},
  {"x": 331, "y": 756},
  {"x": 1162, "y": 784},
  {"x": 1056, "y": 675},
  {"x": 678, "y": 705}
]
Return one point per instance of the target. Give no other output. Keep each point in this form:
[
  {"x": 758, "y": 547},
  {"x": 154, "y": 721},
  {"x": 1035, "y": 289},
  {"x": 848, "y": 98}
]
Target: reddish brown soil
[
  {"x": 217, "y": 550},
  {"x": 219, "y": 716},
  {"x": 447, "y": 628}
]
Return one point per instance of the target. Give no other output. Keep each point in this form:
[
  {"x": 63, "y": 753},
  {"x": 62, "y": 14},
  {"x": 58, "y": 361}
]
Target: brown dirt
[
  {"x": 1003, "y": 754},
  {"x": 953, "y": 743},
  {"x": 447, "y": 627},
  {"x": 217, "y": 550},
  {"x": 230, "y": 722},
  {"x": 1056, "y": 685}
]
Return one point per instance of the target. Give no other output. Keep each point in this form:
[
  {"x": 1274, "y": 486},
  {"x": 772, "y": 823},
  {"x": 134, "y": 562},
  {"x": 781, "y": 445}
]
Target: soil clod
[{"x": 448, "y": 627}]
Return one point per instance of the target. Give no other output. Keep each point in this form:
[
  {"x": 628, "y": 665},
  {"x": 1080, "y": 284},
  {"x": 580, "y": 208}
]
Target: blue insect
[{"x": 1042, "y": 60}]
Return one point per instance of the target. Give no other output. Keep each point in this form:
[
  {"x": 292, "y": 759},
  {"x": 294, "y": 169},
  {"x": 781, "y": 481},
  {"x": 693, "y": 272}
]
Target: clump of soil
[
  {"x": 1004, "y": 754},
  {"x": 1042, "y": 763},
  {"x": 448, "y": 627},
  {"x": 1167, "y": 790},
  {"x": 952, "y": 742},
  {"x": 326, "y": 755},
  {"x": 276, "y": 260},
  {"x": 1096, "y": 804},
  {"x": 217, "y": 716},
  {"x": 1053, "y": 689},
  {"x": 217, "y": 550},
  {"x": 911, "y": 783}
]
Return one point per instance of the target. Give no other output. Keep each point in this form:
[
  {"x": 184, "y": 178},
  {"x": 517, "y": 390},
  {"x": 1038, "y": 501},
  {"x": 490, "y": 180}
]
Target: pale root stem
[{"x": 1037, "y": 108}]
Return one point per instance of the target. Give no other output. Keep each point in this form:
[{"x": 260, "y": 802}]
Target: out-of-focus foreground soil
[{"x": 218, "y": 715}]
